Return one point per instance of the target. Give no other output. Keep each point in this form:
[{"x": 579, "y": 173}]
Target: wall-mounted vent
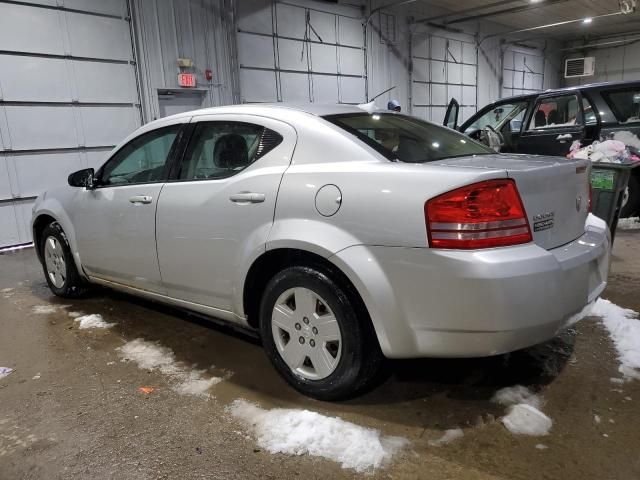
[{"x": 579, "y": 67}]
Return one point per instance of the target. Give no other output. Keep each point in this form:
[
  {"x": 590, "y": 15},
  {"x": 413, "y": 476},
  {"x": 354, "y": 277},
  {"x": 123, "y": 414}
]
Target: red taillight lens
[{"x": 483, "y": 215}]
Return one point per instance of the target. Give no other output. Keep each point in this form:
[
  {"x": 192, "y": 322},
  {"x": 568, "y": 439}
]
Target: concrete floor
[{"x": 84, "y": 418}]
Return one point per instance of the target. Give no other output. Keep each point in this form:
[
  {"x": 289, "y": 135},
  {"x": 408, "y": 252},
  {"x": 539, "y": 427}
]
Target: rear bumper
[{"x": 445, "y": 303}]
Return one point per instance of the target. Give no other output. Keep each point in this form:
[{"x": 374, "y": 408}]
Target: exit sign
[{"x": 187, "y": 79}]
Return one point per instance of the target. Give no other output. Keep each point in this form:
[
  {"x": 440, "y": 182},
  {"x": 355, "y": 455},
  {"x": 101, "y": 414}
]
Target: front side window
[
  {"x": 499, "y": 116},
  {"x": 142, "y": 160},
  {"x": 554, "y": 112},
  {"x": 625, "y": 104},
  {"x": 407, "y": 139},
  {"x": 222, "y": 149}
]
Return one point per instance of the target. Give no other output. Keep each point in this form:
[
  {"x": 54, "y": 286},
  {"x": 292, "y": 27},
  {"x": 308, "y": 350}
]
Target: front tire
[
  {"x": 57, "y": 262},
  {"x": 317, "y": 335}
]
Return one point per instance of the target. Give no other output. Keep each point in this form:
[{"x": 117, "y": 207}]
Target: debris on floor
[
  {"x": 449, "y": 436},
  {"x": 36, "y": 376},
  {"x": 146, "y": 390},
  {"x": 94, "y": 320},
  {"x": 75, "y": 314},
  {"x": 523, "y": 415},
  {"x": 152, "y": 356},
  {"x": 299, "y": 432},
  {"x": 5, "y": 371},
  {"x": 624, "y": 329}
]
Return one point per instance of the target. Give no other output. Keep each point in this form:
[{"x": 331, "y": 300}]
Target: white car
[{"x": 343, "y": 236}]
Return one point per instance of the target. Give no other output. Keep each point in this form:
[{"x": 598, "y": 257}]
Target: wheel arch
[{"x": 273, "y": 261}]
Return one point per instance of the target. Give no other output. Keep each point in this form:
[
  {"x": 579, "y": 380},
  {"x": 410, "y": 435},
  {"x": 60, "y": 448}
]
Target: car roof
[
  {"x": 587, "y": 86},
  {"x": 278, "y": 109}
]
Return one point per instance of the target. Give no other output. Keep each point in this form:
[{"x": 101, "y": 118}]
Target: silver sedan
[{"x": 342, "y": 236}]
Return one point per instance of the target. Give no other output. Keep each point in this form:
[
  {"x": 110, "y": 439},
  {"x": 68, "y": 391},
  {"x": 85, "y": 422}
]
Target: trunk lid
[{"x": 554, "y": 191}]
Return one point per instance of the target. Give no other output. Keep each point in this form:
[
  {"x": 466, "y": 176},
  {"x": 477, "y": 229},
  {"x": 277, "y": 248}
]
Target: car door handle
[
  {"x": 247, "y": 197},
  {"x": 140, "y": 199},
  {"x": 566, "y": 136}
]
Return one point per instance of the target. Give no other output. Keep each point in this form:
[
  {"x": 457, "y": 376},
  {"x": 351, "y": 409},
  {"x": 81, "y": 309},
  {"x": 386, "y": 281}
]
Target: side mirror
[{"x": 82, "y": 178}]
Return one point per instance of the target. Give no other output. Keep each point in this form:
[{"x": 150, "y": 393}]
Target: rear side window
[
  {"x": 625, "y": 104},
  {"x": 407, "y": 139},
  {"x": 222, "y": 149},
  {"x": 554, "y": 112}
]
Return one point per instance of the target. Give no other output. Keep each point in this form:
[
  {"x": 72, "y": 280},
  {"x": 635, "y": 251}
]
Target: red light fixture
[{"x": 482, "y": 215}]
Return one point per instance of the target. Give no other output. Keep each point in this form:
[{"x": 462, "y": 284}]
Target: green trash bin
[{"x": 608, "y": 183}]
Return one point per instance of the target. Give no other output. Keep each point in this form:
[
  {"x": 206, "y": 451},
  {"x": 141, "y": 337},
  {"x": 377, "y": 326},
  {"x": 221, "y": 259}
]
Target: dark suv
[{"x": 547, "y": 123}]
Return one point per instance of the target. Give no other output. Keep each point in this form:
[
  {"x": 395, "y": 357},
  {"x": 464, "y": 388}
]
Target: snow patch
[
  {"x": 94, "y": 320},
  {"x": 524, "y": 419},
  {"x": 517, "y": 394},
  {"x": 597, "y": 419},
  {"x": 152, "y": 356},
  {"x": 449, "y": 436},
  {"x": 6, "y": 290},
  {"x": 75, "y": 314},
  {"x": 541, "y": 446},
  {"x": 300, "y": 432},
  {"x": 523, "y": 414},
  {"x": 44, "y": 309},
  {"x": 630, "y": 223},
  {"x": 624, "y": 329}
]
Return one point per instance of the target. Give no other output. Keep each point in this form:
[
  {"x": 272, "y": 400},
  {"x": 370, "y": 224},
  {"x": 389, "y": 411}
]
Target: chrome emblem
[{"x": 578, "y": 203}]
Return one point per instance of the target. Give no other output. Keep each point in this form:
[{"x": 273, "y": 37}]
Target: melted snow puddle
[
  {"x": 153, "y": 356},
  {"x": 300, "y": 432},
  {"x": 94, "y": 320},
  {"x": 523, "y": 415}
]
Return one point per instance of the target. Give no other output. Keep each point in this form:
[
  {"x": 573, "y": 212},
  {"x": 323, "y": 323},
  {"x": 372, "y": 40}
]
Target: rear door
[
  {"x": 555, "y": 122},
  {"x": 217, "y": 210}
]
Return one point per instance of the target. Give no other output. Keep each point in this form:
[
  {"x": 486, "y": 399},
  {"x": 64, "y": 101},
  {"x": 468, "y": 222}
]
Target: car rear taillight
[{"x": 483, "y": 215}]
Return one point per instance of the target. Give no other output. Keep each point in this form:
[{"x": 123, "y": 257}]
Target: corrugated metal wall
[
  {"x": 67, "y": 96},
  {"x": 300, "y": 51},
  {"x": 620, "y": 62},
  {"x": 201, "y": 30}
]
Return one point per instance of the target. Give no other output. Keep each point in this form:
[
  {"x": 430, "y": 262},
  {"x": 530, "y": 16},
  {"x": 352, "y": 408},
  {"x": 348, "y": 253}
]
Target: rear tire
[
  {"x": 317, "y": 335},
  {"x": 58, "y": 264}
]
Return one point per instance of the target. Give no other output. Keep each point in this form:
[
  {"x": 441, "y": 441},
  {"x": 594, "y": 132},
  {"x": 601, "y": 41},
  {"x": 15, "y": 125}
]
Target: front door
[
  {"x": 555, "y": 123},
  {"x": 216, "y": 212},
  {"x": 115, "y": 223}
]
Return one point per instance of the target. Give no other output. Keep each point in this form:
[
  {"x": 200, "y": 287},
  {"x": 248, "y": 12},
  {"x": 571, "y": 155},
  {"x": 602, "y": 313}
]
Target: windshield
[
  {"x": 498, "y": 116},
  {"x": 407, "y": 139}
]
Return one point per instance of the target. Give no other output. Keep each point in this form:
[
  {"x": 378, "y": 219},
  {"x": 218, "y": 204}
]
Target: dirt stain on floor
[{"x": 85, "y": 418}]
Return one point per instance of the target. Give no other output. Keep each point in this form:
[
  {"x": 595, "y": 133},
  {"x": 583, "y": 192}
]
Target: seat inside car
[
  {"x": 540, "y": 119},
  {"x": 231, "y": 152}
]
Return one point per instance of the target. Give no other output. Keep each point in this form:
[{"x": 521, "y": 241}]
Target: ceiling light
[{"x": 587, "y": 20}]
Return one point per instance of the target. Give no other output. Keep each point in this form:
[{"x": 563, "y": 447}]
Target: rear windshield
[
  {"x": 625, "y": 104},
  {"x": 407, "y": 139}
]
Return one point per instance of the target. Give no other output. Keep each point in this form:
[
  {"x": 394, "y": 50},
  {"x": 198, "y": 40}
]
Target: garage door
[
  {"x": 293, "y": 52},
  {"x": 443, "y": 67},
  {"x": 522, "y": 72},
  {"x": 68, "y": 94}
]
